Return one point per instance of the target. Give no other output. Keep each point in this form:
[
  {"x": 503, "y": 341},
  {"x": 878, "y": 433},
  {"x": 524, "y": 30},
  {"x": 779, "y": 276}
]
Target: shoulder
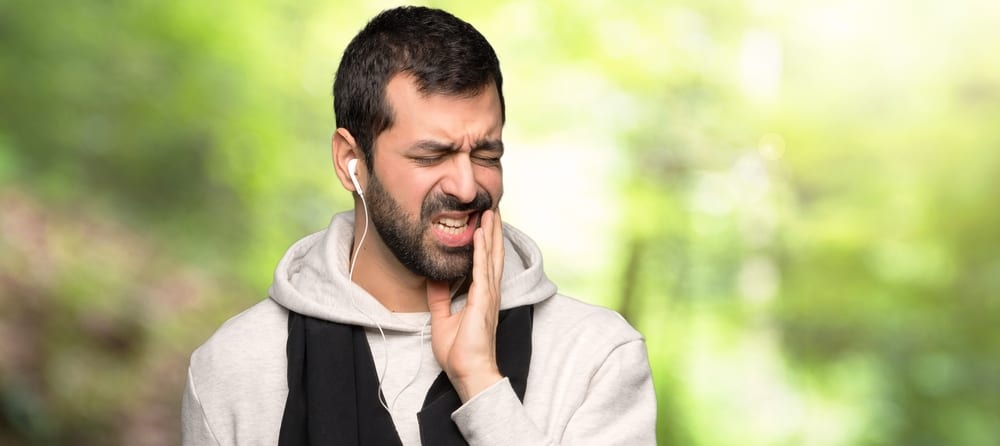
[
  {"x": 562, "y": 323},
  {"x": 571, "y": 315},
  {"x": 589, "y": 370},
  {"x": 245, "y": 350},
  {"x": 237, "y": 377},
  {"x": 245, "y": 336}
]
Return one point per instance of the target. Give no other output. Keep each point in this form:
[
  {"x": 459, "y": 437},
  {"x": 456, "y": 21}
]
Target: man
[{"x": 439, "y": 326}]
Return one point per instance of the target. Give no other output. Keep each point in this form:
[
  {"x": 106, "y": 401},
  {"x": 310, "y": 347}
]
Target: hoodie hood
[{"x": 312, "y": 279}]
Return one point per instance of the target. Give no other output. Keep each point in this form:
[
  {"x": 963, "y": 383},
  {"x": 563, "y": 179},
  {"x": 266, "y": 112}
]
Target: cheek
[
  {"x": 409, "y": 190},
  {"x": 416, "y": 195},
  {"x": 491, "y": 180},
  {"x": 417, "y": 190}
]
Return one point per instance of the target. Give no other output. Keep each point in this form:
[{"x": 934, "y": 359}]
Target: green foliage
[{"x": 802, "y": 204}]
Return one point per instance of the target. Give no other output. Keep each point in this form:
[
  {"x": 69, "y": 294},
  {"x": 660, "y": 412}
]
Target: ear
[{"x": 344, "y": 149}]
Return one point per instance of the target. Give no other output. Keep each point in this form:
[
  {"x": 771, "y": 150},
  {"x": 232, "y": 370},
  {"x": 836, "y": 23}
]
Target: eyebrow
[
  {"x": 437, "y": 146},
  {"x": 494, "y": 145}
]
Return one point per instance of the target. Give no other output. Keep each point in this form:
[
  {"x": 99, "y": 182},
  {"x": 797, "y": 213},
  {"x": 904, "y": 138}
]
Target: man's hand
[{"x": 464, "y": 343}]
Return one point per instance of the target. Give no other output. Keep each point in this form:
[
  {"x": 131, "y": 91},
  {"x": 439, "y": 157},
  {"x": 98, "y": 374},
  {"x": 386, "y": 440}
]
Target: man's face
[{"x": 436, "y": 170}]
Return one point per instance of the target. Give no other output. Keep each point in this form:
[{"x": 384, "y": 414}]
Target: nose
[{"x": 460, "y": 180}]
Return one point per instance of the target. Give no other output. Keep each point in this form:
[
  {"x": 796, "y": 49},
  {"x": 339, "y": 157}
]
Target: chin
[{"x": 456, "y": 266}]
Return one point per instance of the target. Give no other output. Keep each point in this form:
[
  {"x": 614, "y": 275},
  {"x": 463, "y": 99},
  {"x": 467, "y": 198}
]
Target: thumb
[{"x": 439, "y": 299}]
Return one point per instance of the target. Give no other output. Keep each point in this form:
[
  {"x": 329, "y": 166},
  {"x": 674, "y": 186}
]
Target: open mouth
[
  {"x": 456, "y": 228},
  {"x": 453, "y": 225},
  {"x": 457, "y": 224}
]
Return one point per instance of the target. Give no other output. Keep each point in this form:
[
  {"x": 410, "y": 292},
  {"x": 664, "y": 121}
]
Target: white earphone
[{"x": 352, "y": 170}]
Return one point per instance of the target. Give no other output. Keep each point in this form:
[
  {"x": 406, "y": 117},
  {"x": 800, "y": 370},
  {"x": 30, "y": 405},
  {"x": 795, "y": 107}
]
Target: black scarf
[{"x": 333, "y": 387}]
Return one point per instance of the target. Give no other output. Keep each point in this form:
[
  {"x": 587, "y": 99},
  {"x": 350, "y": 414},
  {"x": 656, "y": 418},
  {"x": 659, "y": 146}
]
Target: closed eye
[
  {"x": 487, "y": 160},
  {"x": 488, "y": 153},
  {"x": 427, "y": 160}
]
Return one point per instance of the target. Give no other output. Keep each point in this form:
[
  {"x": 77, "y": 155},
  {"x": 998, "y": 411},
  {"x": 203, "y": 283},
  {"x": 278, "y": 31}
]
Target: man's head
[
  {"x": 418, "y": 97},
  {"x": 442, "y": 53}
]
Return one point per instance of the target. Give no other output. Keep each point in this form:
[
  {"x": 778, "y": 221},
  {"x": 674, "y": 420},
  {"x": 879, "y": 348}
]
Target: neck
[{"x": 380, "y": 273}]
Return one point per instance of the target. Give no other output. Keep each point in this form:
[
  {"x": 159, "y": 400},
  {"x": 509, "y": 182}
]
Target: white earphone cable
[
  {"x": 385, "y": 343},
  {"x": 420, "y": 364}
]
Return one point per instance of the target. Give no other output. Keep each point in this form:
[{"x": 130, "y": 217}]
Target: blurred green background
[{"x": 795, "y": 201}]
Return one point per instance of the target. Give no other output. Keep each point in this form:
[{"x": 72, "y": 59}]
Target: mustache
[{"x": 445, "y": 203}]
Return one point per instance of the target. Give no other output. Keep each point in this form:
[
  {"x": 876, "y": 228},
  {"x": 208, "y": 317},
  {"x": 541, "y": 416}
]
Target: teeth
[
  {"x": 451, "y": 230},
  {"x": 453, "y": 225},
  {"x": 454, "y": 222}
]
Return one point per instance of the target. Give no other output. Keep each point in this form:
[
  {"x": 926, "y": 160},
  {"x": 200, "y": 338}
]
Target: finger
[
  {"x": 494, "y": 263},
  {"x": 438, "y": 300},
  {"x": 498, "y": 247},
  {"x": 480, "y": 268},
  {"x": 487, "y": 228}
]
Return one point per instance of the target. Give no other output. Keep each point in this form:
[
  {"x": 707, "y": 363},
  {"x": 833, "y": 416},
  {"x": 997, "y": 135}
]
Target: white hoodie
[{"x": 589, "y": 381}]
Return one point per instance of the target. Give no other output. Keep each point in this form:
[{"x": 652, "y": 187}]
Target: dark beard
[{"x": 412, "y": 243}]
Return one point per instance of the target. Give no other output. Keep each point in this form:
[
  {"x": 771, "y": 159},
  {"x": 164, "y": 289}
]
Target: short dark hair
[{"x": 443, "y": 53}]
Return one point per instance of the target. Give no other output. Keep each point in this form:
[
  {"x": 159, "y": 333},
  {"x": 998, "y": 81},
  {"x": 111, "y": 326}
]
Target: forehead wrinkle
[{"x": 431, "y": 145}]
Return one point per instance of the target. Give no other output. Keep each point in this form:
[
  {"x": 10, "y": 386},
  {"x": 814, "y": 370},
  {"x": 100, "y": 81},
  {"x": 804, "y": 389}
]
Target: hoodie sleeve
[
  {"x": 194, "y": 424},
  {"x": 619, "y": 408}
]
